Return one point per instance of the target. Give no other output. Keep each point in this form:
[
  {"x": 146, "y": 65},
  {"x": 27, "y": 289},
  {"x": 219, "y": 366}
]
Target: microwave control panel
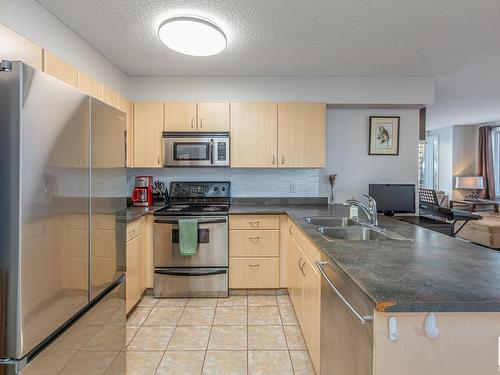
[{"x": 221, "y": 151}]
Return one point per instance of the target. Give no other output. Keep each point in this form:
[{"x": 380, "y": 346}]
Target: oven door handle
[
  {"x": 200, "y": 221},
  {"x": 191, "y": 272}
]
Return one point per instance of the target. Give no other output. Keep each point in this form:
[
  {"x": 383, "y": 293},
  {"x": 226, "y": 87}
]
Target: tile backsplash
[{"x": 244, "y": 182}]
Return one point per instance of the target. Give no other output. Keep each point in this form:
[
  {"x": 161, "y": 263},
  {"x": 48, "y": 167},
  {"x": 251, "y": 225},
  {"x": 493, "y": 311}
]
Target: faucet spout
[{"x": 370, "y": 210}]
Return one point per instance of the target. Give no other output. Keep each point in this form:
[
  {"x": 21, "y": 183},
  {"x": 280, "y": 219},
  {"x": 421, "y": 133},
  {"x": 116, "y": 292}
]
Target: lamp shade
[{"x": 469, "y": 182}]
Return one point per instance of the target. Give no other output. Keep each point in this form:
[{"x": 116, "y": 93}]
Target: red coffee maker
[{"x": 143, "y": 191}]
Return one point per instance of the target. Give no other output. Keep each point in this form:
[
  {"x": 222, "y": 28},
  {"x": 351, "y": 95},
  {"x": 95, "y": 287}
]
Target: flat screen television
[{"x": 393, "y": 198}]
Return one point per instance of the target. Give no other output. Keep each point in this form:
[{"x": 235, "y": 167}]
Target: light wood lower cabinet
[
  {"x": 254, "y": 251},
  {"x": 254, "y": 222},
  {"x": 133, "y": 272},
  {"x": 253, "y": 273},
  {"x": 468, "y": 344},
  {"x": 305, "y": 291},
  {"x": 252, "y": 243},
  {"x": 136, "y": 262}
]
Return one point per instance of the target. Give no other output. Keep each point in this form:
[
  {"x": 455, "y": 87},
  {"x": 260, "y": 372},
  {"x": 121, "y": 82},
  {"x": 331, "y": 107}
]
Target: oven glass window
[
  {"x": 191, "y": 151},
  {"x": 203, "y": 236}
]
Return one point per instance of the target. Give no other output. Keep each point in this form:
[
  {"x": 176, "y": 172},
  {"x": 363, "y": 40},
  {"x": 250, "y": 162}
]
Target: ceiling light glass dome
[{"x": 192, "y": 36}]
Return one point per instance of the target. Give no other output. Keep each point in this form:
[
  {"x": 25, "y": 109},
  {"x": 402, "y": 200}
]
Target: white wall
[
  {"x": 331, "y": 90},
  {"x": 348, "y": 134},
  {"x": 32, "y": 21}
]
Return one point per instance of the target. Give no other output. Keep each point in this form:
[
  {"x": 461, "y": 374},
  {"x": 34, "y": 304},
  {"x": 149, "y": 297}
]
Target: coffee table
[{"x": 473, "y": 205}]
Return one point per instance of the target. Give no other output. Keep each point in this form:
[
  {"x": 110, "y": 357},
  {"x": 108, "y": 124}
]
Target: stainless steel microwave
[{"x": 201, "y": 149}]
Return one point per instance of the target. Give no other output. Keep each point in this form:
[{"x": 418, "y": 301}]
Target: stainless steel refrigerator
[{"x": 62, "y": 227}]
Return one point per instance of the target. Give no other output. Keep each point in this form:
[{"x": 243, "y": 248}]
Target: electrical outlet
[{"x": 293, "y": 188}]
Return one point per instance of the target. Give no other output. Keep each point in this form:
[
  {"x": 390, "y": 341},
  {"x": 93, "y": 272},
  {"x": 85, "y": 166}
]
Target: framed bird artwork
[{"x": 384, "y": 135}]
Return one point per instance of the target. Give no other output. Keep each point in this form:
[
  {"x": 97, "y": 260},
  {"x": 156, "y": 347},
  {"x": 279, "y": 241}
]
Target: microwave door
[{"x": 188, "y": 152}]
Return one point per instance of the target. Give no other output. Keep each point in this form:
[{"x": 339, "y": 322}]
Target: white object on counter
[
  {"x": 430, "y": 326},
  {"x": 393, "y": 329}
]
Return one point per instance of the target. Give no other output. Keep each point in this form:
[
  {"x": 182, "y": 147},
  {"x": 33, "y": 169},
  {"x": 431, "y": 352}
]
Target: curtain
[{"x": 486, "y": 162}]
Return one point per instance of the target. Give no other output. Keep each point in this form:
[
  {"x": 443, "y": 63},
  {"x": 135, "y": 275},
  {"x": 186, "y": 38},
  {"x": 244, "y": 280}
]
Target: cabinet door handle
[
  {"x": 274, "y": 159},
  {"x": 159, "y": 160},
  {"x": 192, "y": 123},
  {"x": 254, "y": 265},
  {"x": 300, "y": 267},
  {"x": 201, "y": 123},
  {"x": 254, "y": 223},
  {"x": 282, "y": 159},
  {"x": 290, "y": 229},
  {"x": 362, "y": 318},
  {"x": 254, "y": 238}
]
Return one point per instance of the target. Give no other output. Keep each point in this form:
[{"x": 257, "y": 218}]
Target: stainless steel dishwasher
[{"x": 346, "y": 324}]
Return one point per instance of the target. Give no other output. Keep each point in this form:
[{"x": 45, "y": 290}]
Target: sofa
[{"x": 485, "y": 231}]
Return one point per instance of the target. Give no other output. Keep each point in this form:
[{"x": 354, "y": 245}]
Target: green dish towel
[{"x": 188, "y": 236}]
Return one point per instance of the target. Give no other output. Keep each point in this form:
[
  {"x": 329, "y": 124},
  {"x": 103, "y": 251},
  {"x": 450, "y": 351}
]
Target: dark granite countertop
[
  {"x": 134, "y": 213},
  {"x": 432, "y": 272}
]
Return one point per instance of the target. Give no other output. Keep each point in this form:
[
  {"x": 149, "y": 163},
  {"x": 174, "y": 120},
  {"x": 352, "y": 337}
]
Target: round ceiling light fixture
[{"x": 192, "y": 36}]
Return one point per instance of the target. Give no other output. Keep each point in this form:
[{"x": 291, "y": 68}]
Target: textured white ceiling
[{"x": 294, "y": 37}]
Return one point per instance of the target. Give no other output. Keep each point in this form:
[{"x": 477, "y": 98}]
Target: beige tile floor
[{"x": 254, "y": 335}]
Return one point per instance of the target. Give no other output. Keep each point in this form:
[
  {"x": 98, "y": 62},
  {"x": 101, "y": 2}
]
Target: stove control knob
[
  {"x": 216, "y": 188},
  {"x": 223, "y": 188}
]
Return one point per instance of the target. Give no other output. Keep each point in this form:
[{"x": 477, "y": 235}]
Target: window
[
  {"x": 428, "y": 163},
  {"x": 495, "y": 142}
]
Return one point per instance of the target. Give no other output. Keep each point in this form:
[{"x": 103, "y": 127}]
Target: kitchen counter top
[
  {"x": 134, "y": 213},
  {"x": 432, "y": 272}
]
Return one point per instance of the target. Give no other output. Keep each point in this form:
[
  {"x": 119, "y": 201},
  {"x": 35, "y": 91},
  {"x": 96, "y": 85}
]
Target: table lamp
[{"x": 473, "y": 183}]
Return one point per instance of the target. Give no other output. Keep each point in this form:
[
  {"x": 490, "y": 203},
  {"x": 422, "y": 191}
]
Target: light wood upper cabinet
[
  {"x": 147, "y": 130},
  {"x": 254, "y": 135},
  {"x": 60, "y": 69},
  {"x": 15, "y": 47},
  {"x": 213, "y": 117},
  {"x": 180, "y": 117},
  {"x": 193, "y": 117},
  {"x": 125, "y": 106},
  {"x": 110, "y": 97},
  {"x": 301, "y": 135},
  {"x": 89, "y": 85}
]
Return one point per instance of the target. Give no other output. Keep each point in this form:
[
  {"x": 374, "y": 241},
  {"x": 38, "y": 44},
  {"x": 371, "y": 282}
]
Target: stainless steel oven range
[{"x": 204, "y": 274}]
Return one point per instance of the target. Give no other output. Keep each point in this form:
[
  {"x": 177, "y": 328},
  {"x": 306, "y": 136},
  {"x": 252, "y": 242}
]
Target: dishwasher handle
[{"x": 362, "y": 318}]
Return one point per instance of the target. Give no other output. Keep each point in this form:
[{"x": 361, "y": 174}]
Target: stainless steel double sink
[{"x": 344, "y": 228}]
